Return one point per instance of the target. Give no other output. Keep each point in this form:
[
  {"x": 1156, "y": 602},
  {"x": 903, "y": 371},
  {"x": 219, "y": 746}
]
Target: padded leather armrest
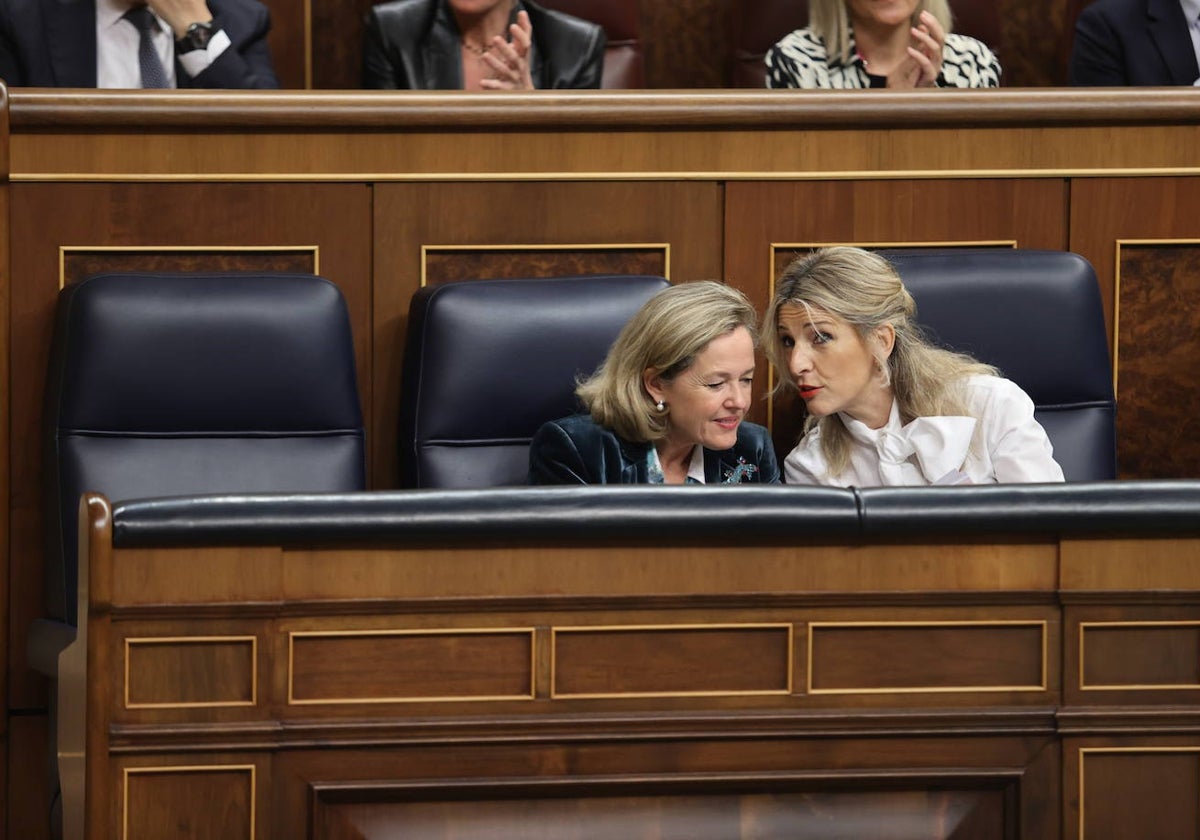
[{"x": 572, "y": 514}]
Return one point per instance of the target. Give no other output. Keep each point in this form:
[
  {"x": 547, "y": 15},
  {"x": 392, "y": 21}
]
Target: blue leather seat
[
  {"x": 179, "y": 384},
  {"x": 488, "y": 361},
  {"x": 1037, "y": 316}
]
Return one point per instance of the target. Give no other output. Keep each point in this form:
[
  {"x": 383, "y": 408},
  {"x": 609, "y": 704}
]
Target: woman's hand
[
  {"x": 509, "y": 60},
  {"x": 924, "y": 63}
]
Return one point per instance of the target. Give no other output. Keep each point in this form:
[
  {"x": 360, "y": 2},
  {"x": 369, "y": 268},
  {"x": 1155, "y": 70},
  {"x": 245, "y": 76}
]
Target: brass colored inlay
[
  {"x": 1084, "y": 626},
  {"x": 465, "y": 631},
  {"x": 199, "y": 640},
  {"x": 250, "y": 769},
  {"x": 610, "y": 175},
  {"x": 65, "y": 250},
  {"x": 819, "y": 625},
  {"x": 627, "y": 628}
]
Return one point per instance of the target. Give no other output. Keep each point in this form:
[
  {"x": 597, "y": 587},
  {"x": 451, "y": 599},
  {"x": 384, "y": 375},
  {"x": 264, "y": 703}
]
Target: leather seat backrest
[
  {"x": 488, "y": 361},
  {"x": 180, "y": 384},
  {"x": 1037, "y": 316},
  {"x": 624, "y": 66}
]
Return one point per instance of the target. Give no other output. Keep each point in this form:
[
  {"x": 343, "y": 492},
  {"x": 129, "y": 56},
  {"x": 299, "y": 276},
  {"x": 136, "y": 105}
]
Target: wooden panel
[
  {"x": 189, "y": 803},
  {"x": 1158, "y": 347},
  {"x": 1139, "y": 655},
  {"x": 177, "y": 672},
  {"x": 1139, "y": 792},
  {"x": 883, "y": 657},
  {"x": 657, "y": 661},
  {"x": 578, "y": 216},
  {"x": 383, "y": 667},
  {"x": 290, "y": 42},
  {"x": 1126, "y": 565}
]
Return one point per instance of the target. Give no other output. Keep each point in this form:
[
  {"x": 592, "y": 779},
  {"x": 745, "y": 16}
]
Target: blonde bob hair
[
  {"x": 830, "y": 21},
  {"x": 864, "y": 290},
  {"x": 664, "y": 337}
]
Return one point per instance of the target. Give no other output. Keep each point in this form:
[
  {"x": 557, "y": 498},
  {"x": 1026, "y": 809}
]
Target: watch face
[{"x": 198, "y": 35}]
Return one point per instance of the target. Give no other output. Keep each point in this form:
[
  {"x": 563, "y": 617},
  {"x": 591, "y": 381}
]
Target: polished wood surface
[
  {"x": 383, "y": 192},
  {"x": 728, "y": 690}
]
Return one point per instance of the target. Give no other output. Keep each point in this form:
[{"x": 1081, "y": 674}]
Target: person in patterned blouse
[{"x": 880, "y": 44}]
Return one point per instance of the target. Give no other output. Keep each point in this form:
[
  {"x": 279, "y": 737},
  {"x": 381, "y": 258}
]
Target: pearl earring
[{"x": 660, "y": 406}]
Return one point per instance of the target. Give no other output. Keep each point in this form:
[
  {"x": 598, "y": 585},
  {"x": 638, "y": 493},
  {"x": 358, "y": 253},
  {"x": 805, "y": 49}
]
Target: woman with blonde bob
[
  {"x": 884, "y": 406},
  {"x": 668, "y": 404},
  {"x": 880, "y": 44}
]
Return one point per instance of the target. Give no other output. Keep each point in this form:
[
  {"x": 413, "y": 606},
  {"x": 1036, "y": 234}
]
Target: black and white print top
[{"x": 800, "y": 60}]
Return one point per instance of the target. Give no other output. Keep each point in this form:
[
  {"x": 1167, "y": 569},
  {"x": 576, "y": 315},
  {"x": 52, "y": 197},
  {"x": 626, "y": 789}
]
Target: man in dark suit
[
  {"x": 1137, "y": 42},
  {"x": 92, "y": 43}
]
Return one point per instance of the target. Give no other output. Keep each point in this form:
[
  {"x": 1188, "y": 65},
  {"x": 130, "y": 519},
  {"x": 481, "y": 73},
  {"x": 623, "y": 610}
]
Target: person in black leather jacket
[
  {"x": 479, "y": 44},
  {"x": 668, "y": 404}
]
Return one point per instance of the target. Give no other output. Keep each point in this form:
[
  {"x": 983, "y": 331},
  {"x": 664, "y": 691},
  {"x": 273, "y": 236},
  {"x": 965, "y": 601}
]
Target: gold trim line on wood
[
  {"x": 1041, "y": 623},
  {"x": 531, "y": 632},
  {"x": 189, "y": 768},
  {"x": 63, "y": 250},
  {"x": 633, "y": 628},
  {"x": 163, "y": 640},
  {"x": 1083, "y": 686},
  {"x": 665, "y": 247},
  {"x": 1083, "y": 751},
  {"x": 1116, "y": 336},
  {"x": 657, "y": 175}
]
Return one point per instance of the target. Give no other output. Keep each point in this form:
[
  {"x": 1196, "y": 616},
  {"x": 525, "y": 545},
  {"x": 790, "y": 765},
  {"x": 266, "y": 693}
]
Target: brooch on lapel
[{"x": 740, "y": 473}]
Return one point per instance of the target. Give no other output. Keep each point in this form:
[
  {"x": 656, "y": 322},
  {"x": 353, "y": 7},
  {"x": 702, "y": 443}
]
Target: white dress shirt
[
  {"x": 1191, "y": 13},
  {"x": 1000, "y": 442},
  {"x": 117, "y": 48}
]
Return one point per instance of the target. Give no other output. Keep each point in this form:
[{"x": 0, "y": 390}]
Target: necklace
[{"x": 477, "y": 50}]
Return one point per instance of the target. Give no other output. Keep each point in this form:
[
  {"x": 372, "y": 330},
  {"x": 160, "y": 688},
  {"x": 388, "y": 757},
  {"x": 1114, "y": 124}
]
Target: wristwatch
[{"x": 196, "y": 37}]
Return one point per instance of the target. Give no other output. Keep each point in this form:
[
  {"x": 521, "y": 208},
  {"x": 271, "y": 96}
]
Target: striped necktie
[{"x": 153, "y": 74}]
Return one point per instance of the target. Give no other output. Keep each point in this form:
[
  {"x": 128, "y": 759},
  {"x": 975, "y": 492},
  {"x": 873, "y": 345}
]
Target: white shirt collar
[
  {"x": 1191, "y": 11},
  {"x": 110, "y": 12}
]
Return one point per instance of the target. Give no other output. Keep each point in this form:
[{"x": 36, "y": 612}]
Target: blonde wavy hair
[
  {"x": 665, "y": 336},
  {"x": 830, "y": 20},
  {"x": 863, "y": 289}
]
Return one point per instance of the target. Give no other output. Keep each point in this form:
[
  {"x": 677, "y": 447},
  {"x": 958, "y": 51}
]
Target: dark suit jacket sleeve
[
  {"x": 246, "y": 63},
  {"x": 591, "y": 70},
  {"x": 379, "y": 71},
  {"x": 1098, "y": 54},
  {"x": 554, "y": 458}
]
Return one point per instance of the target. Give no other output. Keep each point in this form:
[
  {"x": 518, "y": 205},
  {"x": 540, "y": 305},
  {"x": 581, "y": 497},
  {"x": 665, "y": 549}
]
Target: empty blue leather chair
[
  {"x": 488, "y": 361},
  {"x": 1037, "y": 316}
]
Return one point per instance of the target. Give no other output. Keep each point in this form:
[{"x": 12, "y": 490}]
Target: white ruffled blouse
[{"x": 1010, "y": 446}]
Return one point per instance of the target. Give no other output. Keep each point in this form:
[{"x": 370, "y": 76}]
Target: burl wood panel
[
  {"x": 189, "y": 803},
  {"x": 978, "y": 814},
  {"x": 1158, "y": 353},
  {"x": 898, "y": 657},
  {"x": 80, "y": 263},
  {"x": 1142, "y": 793},
  {"x": 190, "y": 672},
  {"x": 443, "y": 265},
  {"x": 379, "y": 667},
  {"x": 674, "y": 661},
  {"x": 1140, "y": 655}
]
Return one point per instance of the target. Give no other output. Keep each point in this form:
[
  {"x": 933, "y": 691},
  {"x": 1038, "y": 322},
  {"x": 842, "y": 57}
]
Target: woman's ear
[
  {"x": 652, "y": 382},
  {"x": 886, "y": 336}
]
